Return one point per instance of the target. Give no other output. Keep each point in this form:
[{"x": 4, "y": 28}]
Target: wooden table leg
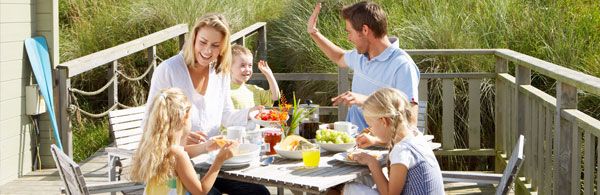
[{"x": 279, "y": 191}]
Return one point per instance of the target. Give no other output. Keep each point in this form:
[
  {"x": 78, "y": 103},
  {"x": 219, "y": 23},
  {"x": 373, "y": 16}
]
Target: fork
[
  {"x": 353, "y": 149},
  {"x": 364, "y": 131}
]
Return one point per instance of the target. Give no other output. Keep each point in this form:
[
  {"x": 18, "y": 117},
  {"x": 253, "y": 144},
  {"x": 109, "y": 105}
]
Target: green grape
[
  {"x": 346, "y": 139},
  {"x": 338, "y": 140},
  {"x": 327, "y": 134}
]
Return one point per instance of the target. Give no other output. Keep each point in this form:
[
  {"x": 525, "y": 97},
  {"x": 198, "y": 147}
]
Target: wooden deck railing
[{"x": 553, "y": 127}]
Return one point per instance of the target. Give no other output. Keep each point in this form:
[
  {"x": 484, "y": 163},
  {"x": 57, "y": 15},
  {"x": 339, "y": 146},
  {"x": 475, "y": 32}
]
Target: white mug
[
  {"x": 345, "y": 126},
  {"x": 236, "y": 133}
]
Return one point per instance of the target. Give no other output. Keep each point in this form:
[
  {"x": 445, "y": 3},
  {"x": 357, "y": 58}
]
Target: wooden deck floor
[{"x": 47, "y": 181}]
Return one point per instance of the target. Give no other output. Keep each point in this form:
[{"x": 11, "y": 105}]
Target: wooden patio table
[{"x": 291, "y": 174}]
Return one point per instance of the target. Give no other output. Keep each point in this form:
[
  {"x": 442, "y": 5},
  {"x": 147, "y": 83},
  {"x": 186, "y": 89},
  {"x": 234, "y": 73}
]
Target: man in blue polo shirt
[{"x": 375, "y": 61}]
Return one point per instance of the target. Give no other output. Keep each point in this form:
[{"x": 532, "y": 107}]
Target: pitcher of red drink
[{"x": 272, "y": 137}]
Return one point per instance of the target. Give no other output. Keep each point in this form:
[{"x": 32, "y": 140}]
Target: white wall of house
[{"x": 20, "y": 19}]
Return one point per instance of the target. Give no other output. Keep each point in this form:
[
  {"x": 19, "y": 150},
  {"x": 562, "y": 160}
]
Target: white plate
[
  {"x": 261, "y": 122},
  {"x": 249, "y": 153},
  {"x": 295, "y": 154},
  {"x": 342, "y": 156},
  {"x": 229, "y": 165},
  {"x": 336, "y": 147}
]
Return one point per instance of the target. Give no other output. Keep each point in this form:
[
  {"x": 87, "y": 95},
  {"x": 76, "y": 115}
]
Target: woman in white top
[
  {"x": 201, "y": 71},
  {"x": 412, "y": 166}
]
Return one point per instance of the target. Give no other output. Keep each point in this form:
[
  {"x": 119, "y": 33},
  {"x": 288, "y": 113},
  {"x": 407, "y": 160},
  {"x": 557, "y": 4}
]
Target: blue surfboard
[{"x": 37, "y": 51}]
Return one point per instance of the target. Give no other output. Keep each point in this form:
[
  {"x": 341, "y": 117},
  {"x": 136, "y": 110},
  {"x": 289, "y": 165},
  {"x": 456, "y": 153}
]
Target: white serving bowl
[
  {"x": 295, "y": 154},
  {"x": 245, "y": 153},
  {"x": 336, "y": 147}
]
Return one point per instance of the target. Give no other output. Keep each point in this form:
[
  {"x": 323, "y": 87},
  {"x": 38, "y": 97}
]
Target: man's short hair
[{"x": 366, "y": 13}]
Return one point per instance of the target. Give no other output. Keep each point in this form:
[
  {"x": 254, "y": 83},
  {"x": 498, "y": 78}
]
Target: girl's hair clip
[
  {"x": 163, "y": 96},
  {"x": 182, "y": 111}
]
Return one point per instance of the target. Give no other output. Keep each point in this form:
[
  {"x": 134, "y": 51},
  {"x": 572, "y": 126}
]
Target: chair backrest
[
  {"x": 126, "y": 127},
  {"x": 511, "y": 170},
  {"x": 69, "y": 172},
  {"x": 422, "y": 117}
]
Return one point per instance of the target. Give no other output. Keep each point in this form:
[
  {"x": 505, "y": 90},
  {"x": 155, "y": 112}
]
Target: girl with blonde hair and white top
[
  {"x": 160, "y": 161},
  {"x": 412, "y": 166}
]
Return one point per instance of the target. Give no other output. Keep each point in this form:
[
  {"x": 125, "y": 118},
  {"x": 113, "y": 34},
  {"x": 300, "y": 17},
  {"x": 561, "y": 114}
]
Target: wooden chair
[
  {"x": 422, "y": 117},
  {"x": 126, "y": 130},
  {"x": 422, "y": 125},
  {"x": 74, "y": 181},
  {"x": 503, "y": 180}
]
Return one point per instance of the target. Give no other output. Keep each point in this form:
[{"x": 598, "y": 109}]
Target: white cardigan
[{"x": 209, "y": 111}]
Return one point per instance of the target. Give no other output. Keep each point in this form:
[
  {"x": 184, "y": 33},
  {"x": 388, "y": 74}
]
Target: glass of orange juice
[{"x": 311, "y": 156}]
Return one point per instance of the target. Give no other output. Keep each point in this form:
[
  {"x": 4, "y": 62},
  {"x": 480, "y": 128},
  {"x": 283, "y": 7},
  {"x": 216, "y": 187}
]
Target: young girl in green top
[
  {"x": 160, "y": 160},
  {"x": 246, "y": 95}
]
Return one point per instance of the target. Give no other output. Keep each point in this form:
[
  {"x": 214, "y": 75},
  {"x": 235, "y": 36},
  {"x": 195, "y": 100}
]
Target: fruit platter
[
  {"x": 269, "y": 117},
  {"x": 334, "y": 141}
]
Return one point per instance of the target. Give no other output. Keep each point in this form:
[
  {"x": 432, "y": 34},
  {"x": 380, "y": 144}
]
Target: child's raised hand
[{"x": 263, "y": 66}]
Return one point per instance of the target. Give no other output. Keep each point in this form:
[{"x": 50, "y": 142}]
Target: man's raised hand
[{"x": 312, "y": 21}]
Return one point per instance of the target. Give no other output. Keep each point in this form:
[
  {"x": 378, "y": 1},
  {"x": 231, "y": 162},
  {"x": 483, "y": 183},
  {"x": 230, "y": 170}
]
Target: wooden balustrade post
[
  {"x": 343, "y": 86},
  {"x": 63, "y": 120},
  {"x": 241, "y": 41},
  {"x": 151, "y": 51},
  {"x": 499, "y": 110},
  {"x": 152, "y": 56},
  {"x": 523, "y": 77},
  {"x": 566, "y": 98},
  {"x": 474, "y": 114},
  {"x": 448, "y": 107},
  {"x": 181, "y": 41},
  {"x": 113, "y": 91},
  {"x": 262, "y": 42}
]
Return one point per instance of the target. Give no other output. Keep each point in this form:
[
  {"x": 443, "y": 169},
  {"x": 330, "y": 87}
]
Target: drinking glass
[{"x": 311, "y": 156}]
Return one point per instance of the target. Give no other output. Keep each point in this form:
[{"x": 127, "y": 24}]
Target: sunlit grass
[{"x": 88, "y": 137}]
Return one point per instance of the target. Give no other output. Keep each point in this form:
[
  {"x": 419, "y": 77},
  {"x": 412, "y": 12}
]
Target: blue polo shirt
[{"x": 392, "y": 68}]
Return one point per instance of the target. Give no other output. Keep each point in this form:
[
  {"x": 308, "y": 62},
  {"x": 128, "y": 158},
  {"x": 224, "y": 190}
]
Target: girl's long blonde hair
[
  {"x": 218, "y": 22},
  {"x": 152, "y": 161},
  {"x": 389, "y": 103}
]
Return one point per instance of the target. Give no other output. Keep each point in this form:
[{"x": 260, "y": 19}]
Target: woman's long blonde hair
[
  {"x": 218, "y": 22},
  {"x": 389, "y": 103},
  {"x": 152, "y": 161}
]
